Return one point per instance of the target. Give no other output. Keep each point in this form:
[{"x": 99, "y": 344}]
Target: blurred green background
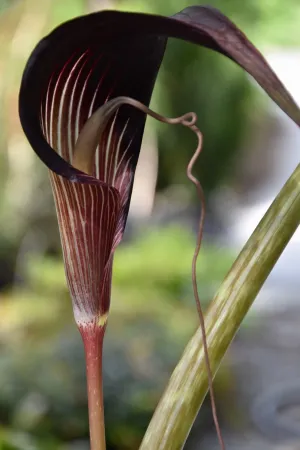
[{"x": 42, "y": 382}]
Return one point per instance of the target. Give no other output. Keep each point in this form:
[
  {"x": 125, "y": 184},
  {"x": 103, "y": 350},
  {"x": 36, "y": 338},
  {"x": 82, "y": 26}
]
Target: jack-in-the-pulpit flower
[{"x": 74, "y": 71}]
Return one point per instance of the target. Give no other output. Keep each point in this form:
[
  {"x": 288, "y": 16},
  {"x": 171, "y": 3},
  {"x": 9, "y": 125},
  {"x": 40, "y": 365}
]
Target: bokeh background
[{"x": 250, "y": 149}]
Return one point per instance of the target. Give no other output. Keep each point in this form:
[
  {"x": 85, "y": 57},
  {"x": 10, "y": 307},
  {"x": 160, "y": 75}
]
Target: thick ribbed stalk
[
  {"x": 93, "y": 346},
  {"x": 187, "y": 387}
]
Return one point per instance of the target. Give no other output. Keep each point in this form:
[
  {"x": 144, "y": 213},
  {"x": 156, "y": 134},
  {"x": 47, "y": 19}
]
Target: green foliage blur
[{"x": 43, "y": 402}]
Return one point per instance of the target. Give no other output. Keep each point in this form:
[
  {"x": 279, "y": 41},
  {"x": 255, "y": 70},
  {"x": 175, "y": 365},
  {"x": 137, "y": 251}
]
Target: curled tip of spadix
[{"x": 91, "y": 133}]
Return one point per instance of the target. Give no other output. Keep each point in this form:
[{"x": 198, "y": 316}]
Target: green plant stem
[
  {"x": 186, "y": 390},
  {"x": 93, "y": 345}
]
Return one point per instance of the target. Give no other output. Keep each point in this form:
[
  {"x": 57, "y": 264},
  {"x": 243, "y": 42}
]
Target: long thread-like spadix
[{"x": 83, "y": 159}]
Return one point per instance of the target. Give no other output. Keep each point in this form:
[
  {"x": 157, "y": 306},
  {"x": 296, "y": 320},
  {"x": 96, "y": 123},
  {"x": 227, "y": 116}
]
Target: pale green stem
[{"x": 180, "y": 403}]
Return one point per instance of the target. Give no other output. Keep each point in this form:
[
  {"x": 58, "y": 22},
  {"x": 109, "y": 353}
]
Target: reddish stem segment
[{"x": 93, "y": 346}]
